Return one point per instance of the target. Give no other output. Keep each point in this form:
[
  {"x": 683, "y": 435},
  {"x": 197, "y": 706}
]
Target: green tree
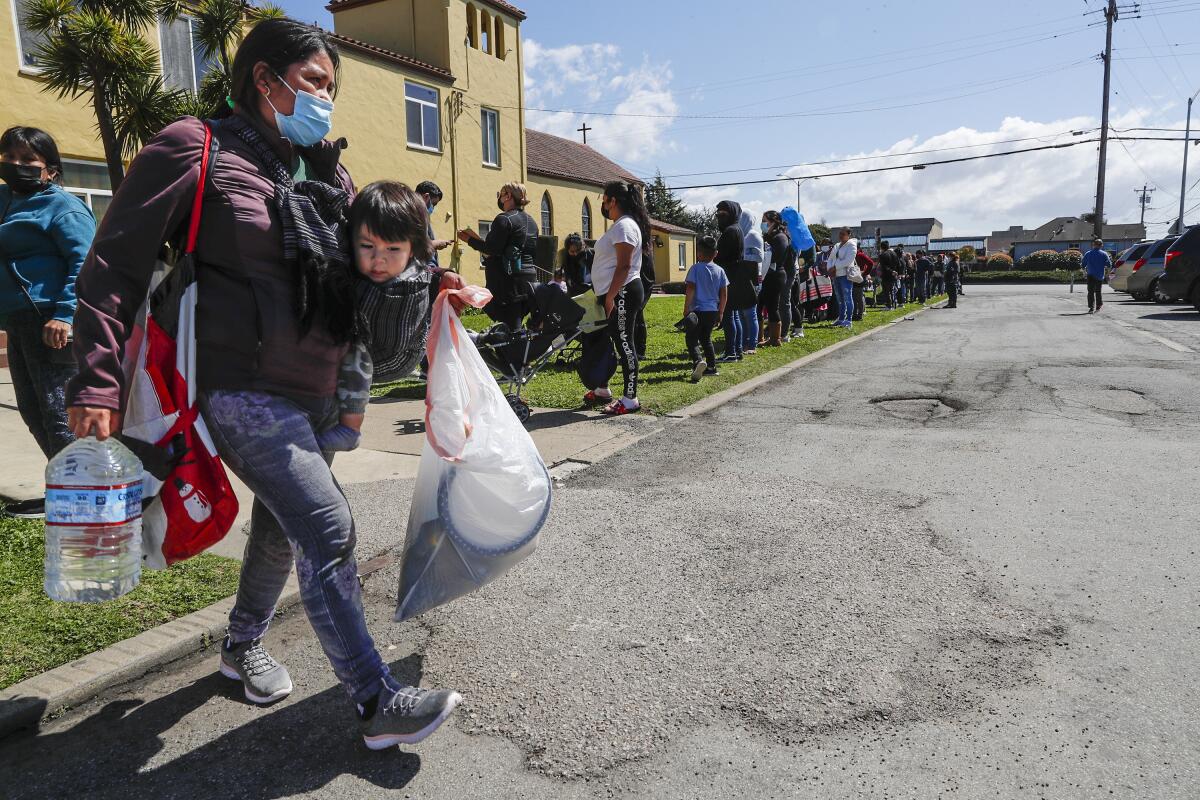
[
  {"x": 662, "y": 203},
  {"x": 967, "y": 254},
  {"x": 820, "y": 231},
  {"x": 96, "y": 49}
]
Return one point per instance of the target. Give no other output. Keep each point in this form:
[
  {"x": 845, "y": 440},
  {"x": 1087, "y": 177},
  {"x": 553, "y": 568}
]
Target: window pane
[
  {"x": 413, "y": 115},
  {"x": 100, "y": 204},
  {"x": 178, "y": 66},
  {"x": 432, "y": 133},
  {"x": 92, "y": 175},
  {"x": 682, "y": 255},
  {"x": 418, "y": 92},
  {"x": 28, "y": 40},
  {"x": 491, "y": 138},
  {"x": 201, "y": 65},
  {"x": 484, "y": 226}
]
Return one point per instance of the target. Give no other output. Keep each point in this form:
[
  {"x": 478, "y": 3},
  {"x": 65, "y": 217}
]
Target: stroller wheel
[{"x": 519, "y": 407}]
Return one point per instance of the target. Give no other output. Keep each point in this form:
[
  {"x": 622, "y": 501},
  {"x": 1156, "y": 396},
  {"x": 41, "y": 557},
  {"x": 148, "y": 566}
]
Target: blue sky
[{"x": 871, "y": 82}]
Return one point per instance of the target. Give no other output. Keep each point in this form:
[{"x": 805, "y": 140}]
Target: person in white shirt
[
  {"x": 845, "y": 271},
  {"x": 616, "y": 279}
]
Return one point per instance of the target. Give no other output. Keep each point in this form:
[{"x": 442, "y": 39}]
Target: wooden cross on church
[{"x": 584, "y": 130}]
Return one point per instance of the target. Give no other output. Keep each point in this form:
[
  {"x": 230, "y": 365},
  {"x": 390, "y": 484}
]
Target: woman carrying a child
[{"x": 276, "y": 316}]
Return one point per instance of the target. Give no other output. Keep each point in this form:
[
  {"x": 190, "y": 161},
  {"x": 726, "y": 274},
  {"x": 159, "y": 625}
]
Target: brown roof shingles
[
  {"x": 669, "y": 228},
  {"x": 557, "y": 157},
  {"x": 395, "y": 58}
]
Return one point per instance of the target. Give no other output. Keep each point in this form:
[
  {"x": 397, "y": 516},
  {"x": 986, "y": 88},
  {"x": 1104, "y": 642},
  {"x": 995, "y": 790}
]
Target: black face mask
[{"x": 22, "y": 178}]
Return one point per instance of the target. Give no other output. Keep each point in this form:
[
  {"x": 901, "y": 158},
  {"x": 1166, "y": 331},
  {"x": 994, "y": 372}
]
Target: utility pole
[
  {"x": 1110, "y": 16},
  {"x": 1144, "y": 199}
]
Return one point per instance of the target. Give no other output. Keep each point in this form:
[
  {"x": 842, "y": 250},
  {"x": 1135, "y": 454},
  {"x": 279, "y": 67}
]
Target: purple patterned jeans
[{"x": 300, "y": 515}]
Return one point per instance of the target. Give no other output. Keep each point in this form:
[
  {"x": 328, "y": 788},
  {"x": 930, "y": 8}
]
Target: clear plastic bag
[{"x": 482, "y": 492}]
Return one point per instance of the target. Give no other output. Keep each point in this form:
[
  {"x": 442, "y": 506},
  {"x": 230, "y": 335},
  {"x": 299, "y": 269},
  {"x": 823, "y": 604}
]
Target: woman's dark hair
[
  {"x": 629, "y": 200},
  {"x": 395, "y": 213},
  {"x": 278, "y": 43},
  {"x": 777, "y": 224},
  {"x": 38, "y": 141}
]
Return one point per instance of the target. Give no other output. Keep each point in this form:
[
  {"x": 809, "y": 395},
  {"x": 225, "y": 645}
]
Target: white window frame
[
  {"x": 585, "y": 219},
  {"x": 546, "y": 217},
  {"x": 485, "y": 227},
  {"x": 494, "y": 115},
  {"x": 683, "y": 255},
  {"x": 436, "y": 106},
  {"x": 29, "y": 69},
  {"x": 88, "y": 194}
]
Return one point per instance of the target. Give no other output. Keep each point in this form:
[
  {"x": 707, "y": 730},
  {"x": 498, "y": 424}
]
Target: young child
[
  {"x": 391, "y": 248},
  {"x": 705, "y": 295},
  {"x": 560, "y": 279}
]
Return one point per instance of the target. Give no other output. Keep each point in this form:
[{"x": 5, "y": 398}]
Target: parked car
[
  {"x": 1118, "y": 281},
  {"x": 1181, "y": 273},
  {"x": 1149, "y": 269}
]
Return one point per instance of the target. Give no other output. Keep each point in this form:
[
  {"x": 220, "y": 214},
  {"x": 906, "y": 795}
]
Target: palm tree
[{"x": 95, "y": 48}]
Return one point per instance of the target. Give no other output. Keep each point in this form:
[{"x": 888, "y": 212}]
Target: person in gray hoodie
[
  {"x": 743, "y": 294},
  {"x": 731, "y": 247}
]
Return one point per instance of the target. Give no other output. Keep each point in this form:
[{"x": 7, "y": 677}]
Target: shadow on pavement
[
  {"x": 1074, "y": 313},
  {"x": 292, "y": 748},
  {"x": 1181, "y": 315}
]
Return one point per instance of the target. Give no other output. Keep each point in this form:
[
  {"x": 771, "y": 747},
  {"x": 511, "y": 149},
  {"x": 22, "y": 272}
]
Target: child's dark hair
[
  {"x": 395, "y": 213},
  {"x": 706, "y": 244}
]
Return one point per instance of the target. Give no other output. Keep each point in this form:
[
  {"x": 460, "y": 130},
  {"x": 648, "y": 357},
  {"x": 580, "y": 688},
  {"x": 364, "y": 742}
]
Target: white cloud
[
  {"x": 977, "y": 197},
  {"x": 594, "y": 75}
]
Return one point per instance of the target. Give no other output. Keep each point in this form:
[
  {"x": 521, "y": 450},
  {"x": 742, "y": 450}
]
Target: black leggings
[
  {"x": 622, "y": 327},
  {"x": 772, "y": 295},
  {"x": 699, "y": 338}
]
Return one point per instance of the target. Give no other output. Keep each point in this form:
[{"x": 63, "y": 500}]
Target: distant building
[
  {"x": 952, "y": 244},
  {"x": 1075, "y": 233},
  {"x": 674, "y": 251},
  {"x": 912, "y": 233}
]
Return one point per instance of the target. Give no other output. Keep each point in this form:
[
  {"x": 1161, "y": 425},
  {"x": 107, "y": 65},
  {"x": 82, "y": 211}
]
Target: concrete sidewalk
[{"x": 393, "y": 436}]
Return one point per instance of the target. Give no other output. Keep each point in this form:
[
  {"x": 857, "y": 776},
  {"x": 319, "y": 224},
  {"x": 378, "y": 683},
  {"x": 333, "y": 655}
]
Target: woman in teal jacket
[{"x": 45, "y": 234}]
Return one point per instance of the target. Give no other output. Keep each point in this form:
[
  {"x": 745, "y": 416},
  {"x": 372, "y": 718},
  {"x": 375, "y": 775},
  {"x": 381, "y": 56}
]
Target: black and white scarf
[{"x": 313, "y": 214}]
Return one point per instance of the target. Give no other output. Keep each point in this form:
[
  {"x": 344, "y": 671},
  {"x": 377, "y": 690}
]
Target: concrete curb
[
  {"x": 719, "y": 399},
  {"x": 26, "y": 703}
]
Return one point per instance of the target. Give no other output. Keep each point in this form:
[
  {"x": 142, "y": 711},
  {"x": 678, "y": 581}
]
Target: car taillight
[
  {"x": 1171, "y": 256},
  {"x": 1141, "y": 262}
]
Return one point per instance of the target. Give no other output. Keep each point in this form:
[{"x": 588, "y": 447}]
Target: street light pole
[
  {"x": 798, "y": 182},
  {"x": 1183, "y": 184}
]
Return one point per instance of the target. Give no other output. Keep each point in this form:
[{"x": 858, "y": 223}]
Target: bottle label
[{"x": 93, "y": 505}]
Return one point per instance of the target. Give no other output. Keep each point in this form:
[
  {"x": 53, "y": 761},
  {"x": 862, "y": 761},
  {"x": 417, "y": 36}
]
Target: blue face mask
[
  {"x": 764, "y": 227},
  {"x": 309, "y": 123}
]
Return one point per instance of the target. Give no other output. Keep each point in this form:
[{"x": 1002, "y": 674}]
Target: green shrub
[
  {"x": 1000, "y": 261},
  {"x": 1051, "y": 260}
]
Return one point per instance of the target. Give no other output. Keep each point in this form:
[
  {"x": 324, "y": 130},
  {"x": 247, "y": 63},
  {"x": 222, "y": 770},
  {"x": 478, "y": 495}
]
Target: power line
[
  {"x": 871, "y": 158},
  {"x": 925, "y": 164}
]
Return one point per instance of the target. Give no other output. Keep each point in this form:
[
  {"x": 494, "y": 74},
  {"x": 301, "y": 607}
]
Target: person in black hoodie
[
  {"x": 777, "y": 286},
  {"x": 730, "y": 246},
  {"x": 508, "y": 256}
]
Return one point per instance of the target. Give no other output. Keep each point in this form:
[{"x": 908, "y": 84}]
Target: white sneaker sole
[
  {"x": 698, "y": 370},
  {"x": 232, "y": 674},
  {"x": 385, "y": 741}
]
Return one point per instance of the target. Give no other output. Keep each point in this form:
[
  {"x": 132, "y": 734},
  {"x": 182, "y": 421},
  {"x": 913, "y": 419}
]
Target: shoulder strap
[{"x": 207, "y": 156}]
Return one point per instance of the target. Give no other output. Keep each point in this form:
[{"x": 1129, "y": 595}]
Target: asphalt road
[{"x": 957, "y": 558}]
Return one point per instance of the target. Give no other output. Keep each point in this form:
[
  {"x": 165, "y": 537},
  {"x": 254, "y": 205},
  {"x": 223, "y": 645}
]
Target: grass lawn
[
  {"x": 38, "y": 634},
  {"x": 665, "y": 374}
]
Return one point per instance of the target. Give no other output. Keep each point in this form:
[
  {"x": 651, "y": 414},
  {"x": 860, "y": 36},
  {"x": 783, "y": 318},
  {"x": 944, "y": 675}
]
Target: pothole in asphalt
[
  {"x": 1121, "y": 401},
  {"x": 918, "y": 408}
]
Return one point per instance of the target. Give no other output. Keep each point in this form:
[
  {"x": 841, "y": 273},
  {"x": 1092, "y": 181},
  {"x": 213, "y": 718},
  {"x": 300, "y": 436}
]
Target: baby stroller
[{"x": 517, "y": 356}]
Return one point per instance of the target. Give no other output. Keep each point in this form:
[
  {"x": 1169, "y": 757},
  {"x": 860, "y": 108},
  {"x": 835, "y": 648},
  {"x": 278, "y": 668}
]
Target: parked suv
[
  {"x": 1123, "y": 266},
  {"x": 1148, "y": 269},
  {"x": 1181, "y": 275}
]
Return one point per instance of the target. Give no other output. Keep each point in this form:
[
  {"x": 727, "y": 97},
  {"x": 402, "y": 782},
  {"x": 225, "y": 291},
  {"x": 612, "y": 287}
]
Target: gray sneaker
[
  {"x": 264, "y": 680},
  {"x": 407, "y": 716}
]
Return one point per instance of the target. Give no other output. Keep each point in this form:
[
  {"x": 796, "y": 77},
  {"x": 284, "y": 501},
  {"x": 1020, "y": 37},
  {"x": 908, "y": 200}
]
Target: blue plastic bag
[{"x": 802, "y": 238}]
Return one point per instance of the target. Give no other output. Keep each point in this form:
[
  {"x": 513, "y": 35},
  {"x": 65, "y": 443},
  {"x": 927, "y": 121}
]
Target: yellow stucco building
[{"x": 430, "y": 90}]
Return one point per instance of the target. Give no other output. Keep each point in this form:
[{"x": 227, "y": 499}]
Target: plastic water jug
[{"x": 93, "y": 522}]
